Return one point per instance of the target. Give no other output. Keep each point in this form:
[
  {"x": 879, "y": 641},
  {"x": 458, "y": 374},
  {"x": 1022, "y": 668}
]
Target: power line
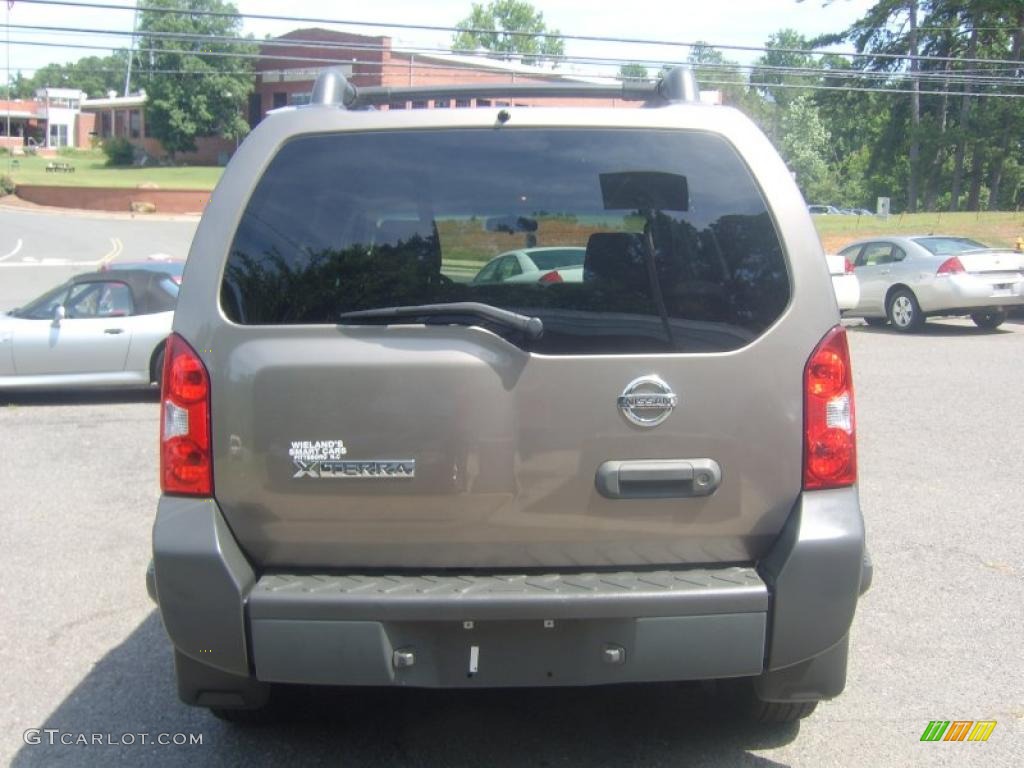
[
  {"x": 975, "y": 77},
  {"x": 469, "y": 74},
  {"x": 557, "y": 35}
]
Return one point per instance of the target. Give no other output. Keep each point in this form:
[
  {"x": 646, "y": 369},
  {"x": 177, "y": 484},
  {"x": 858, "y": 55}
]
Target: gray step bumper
[
  {"x": 508, "y": 630},
  {"x": 671, "y": 624}
]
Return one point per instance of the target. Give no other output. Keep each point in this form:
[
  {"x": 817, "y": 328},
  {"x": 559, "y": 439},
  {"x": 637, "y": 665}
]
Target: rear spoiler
[{"x": 333, "y": 88}]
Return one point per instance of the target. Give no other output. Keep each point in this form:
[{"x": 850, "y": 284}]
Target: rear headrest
[
  {"x": 415, "y": 241},
  {"x": 400, "y": 231},
  {"x": 617, "y": 257}
]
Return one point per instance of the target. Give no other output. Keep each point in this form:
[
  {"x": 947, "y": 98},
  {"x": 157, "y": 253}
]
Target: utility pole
[
  {"x": 915, "y": 112},
  {"x": 7, "y": 72},
  {"x": 131, "y": 51}
]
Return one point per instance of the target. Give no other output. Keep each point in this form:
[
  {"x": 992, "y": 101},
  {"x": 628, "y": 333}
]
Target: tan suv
[{"x": 379, "y": 472}]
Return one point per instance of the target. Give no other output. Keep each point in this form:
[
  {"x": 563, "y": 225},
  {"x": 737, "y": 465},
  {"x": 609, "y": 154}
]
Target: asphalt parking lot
[{"x": 939, "y": 636}]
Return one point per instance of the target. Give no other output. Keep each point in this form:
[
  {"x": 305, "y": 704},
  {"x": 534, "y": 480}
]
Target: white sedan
[
  {"x": 535, "y": 265},
  {"x": 98, "y": 329},
  {"x": 904, "y": 280},
  {"x": 844, "y": 281}
]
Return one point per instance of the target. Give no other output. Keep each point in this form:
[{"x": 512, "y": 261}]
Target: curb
[{"x": 14, "y": 204}]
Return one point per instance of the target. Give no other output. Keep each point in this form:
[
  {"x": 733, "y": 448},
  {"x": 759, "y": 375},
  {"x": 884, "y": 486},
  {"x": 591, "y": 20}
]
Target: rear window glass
[
  {"x": 947, "y": 246},
  {"x": 672, "y": 243},
  {"x": 563, "y": 257}
]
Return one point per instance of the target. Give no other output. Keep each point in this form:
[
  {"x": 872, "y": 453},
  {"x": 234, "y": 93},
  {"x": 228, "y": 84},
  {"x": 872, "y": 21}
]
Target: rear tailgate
[
  {"x": 506, "y": 446},
  {"x": 452, "y": 442}
]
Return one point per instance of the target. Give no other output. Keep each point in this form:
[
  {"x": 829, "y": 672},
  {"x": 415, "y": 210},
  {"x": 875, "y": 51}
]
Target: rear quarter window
[{"x": 664, "y": 238}]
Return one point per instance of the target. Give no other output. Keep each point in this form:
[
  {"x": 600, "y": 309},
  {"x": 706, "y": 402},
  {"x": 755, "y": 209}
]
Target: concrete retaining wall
[{"x": 115, "y": 198}]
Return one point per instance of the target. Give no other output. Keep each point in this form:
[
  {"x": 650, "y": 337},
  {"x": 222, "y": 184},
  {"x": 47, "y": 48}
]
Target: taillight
[
  {"x": 551, "y": 277},
  {"x": 830, "y": 428},
  {"x": 186, "y": 464},
  {"x": 951, "y": 266},
  {"x": 847, "y": 266}
]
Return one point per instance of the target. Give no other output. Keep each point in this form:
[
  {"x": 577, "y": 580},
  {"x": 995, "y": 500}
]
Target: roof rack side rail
[
  {"x": 679, "y": 84},
  {"x": 333, "y": 88}
]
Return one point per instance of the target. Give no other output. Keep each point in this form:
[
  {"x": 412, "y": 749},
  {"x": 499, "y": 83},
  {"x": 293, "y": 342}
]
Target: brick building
[
  {"x": 288, "y": 66},
  {"x": 50, "y": 121}
]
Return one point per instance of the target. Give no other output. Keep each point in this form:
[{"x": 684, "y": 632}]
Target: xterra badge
[
  {"x": 382, "y": 470},
  {"x": 321, "y": 459}
]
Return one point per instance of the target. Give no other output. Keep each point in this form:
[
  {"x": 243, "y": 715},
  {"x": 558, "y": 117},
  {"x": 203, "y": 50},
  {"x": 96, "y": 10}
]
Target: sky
[{"x": 732, "y": 22}]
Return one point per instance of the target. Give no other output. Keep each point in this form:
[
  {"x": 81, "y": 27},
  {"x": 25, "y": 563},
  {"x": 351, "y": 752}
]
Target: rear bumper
[
  {"x": 965, "y": 293},
  {"x": 847, "y": 290},
  {"x": 764, "y": 619}
]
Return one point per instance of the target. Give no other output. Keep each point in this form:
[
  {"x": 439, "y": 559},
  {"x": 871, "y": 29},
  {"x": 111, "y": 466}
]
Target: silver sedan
[
  {"x": 535, "y": 265},
  {"x": 904, "y": 280},
  {"x": 98, "y": 329}
]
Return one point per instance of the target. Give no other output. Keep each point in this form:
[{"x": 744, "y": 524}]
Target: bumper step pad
[{"x": 686, "y": 592}]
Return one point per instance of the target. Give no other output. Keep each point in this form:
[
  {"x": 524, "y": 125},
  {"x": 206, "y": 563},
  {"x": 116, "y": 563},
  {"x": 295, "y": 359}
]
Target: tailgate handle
[{"x": 658, "y": 478}]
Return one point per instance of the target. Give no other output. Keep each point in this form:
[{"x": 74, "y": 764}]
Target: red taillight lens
[
  {"x": 951, "y": 266},
  {"x": 551, "y": 277},
  {"x": 186, "y": 465},
  {"x": 830, "y": 427},
  {"x": 847, "y": 266}
]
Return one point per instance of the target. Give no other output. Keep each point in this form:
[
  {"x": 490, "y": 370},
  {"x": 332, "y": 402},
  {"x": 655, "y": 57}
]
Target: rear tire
[
  {"x": 740, "y": 698},
  {"x": 989, "y": 320},
  {"x": 904, "y": 312},
  {"x": 777, "y": 712},
  {"x": 244, "y": 717},
  {"x": 876, "y": 322},
  {"x": 156, "y": 372}
]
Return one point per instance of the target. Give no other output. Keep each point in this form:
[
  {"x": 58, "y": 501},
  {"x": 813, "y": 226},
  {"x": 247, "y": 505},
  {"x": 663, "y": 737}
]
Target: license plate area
[{"x": 508, "y": 653}]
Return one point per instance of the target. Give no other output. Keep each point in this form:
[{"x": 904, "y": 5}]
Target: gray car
[
  {"x": 374, "y": 474},
  {"x": 904, "y": 280}
]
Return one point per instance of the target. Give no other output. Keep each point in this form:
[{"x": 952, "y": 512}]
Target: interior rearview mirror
[{"x": 645, "y": 191}]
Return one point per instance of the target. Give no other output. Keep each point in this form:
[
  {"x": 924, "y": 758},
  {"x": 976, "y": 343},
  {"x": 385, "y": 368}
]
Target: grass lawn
[
  {"x": 995, "y": 228},
  {"x": 91, "y": 171}
]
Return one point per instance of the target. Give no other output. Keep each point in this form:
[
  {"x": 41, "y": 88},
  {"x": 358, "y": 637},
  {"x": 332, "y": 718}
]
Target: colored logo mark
[{"x": 958, "y": 730}]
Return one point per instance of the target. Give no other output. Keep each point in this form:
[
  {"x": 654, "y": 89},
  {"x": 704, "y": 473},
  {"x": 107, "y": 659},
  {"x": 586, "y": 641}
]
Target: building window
[
  {"x": 280, "y": 100},
  {"x": 483, "y": 102},
  {"x": 396, "y": 105},
  {"x": 58, "y": 135},
  {"x": 135, "y": 123},
  {"x": 299, "y": 99},
  {"x": 442, "y": 103},
  {"x": 463, "y": 103},
  {"x": 419, "y": 105},
  {"x": 255, "y": 109}
]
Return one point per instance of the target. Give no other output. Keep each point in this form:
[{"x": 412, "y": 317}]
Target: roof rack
[{"x": 332, "y": 88}]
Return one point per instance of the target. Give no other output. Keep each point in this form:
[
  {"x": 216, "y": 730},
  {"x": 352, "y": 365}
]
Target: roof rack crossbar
[{"x": 333, "y": 88}]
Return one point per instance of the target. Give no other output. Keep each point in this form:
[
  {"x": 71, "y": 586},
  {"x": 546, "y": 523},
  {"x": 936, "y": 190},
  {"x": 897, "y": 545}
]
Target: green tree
[
  {"x": 714, "y": 72},
  {"x": 209, "y": 94},
  {"x": 780, "y": 64},
  {"x": 95, "y": 75},
  {"x": 805, "y": 148},
  {"x": 20, "y": 86},
  {"x": 508, "y": 27},
  {"x": 633, "y": 71}
]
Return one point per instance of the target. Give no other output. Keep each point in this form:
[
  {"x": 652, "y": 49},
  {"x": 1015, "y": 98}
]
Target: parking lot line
[
  {"x": 116, "y": 248},
  {"x": 12, "y": 253}
]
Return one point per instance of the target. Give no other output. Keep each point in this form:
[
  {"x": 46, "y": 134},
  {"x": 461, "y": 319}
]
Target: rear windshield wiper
[{"x": 533, "y": 327}]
